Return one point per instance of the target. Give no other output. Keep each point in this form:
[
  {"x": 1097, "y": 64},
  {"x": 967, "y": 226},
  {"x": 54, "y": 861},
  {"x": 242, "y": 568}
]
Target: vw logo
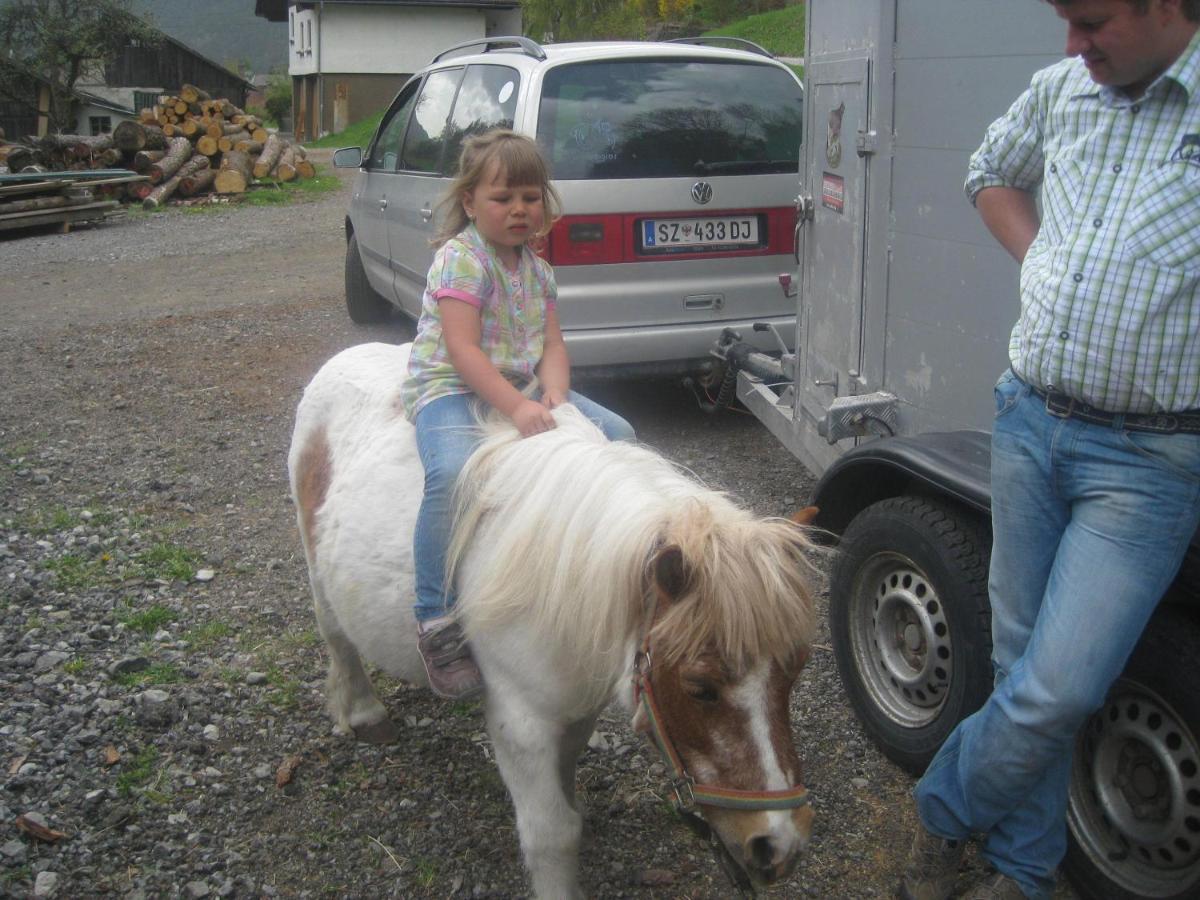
[{"x": 701, "y": 192}]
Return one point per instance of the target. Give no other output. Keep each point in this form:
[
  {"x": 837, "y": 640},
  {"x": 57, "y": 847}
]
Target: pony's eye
[{"x": 704, "y": 691}]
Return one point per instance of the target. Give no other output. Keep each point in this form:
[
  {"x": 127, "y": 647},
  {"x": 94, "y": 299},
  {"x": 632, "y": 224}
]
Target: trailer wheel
[
  {"x": 365, "y": 305},
  {"x": 1134, "y": 813},
  {"x": 910, "y": 622}
]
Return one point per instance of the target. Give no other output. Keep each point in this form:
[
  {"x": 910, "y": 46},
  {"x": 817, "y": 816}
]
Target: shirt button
[
  {"x": 1097, "y": 222},
  {"x": 1134, "y": 108},
  {"x": 1116, "y": 167},
  {"x": 1077, "y": 277},
  {"x": 1053, "y": 168},
  {"x": 1064, "y": 334}
]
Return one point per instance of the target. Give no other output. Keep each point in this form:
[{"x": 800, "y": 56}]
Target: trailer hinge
[
  {"x": 860, "y": 416},
  {"x": 866, "y": 142}
]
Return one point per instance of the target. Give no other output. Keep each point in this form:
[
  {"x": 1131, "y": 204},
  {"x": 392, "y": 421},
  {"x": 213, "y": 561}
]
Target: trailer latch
[
  {"x": 860, "y": 415},
  {"x": 866, "y": 142}
]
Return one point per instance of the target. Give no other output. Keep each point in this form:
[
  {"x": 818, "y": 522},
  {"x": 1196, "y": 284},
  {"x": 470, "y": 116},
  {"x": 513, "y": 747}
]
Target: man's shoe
[
  {"x": 452, "y": 672},
  {"x": 996, "y": 887},
  {"x": 932, "y": 867}
]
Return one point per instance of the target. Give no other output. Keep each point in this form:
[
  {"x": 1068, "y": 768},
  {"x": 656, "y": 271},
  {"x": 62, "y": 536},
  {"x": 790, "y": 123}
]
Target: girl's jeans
[
  {"x": 447, "y": 432},
  {"x": 1090, "y": 523}
]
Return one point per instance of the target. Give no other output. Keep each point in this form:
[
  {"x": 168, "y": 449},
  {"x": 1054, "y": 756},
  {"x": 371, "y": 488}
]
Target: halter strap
[{"x": 688, "y": 793}]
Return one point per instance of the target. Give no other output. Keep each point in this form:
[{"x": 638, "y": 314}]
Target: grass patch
[
  {"x": 357, "y": 135},
  {"x": 75, "y": 666},
  {"x": 73, "y": 572},
  {"x": 139, "y": 772},
  {"x": 146, "y": 621},
  {"x": 169, "y": 562},
  {"x": 283, "y": 192},
  {"x": 159, "y": 673},
  {"x": 426, "y": 872},
  {"x": 208, "y": 635},
  {"x": 781, "y": 31}
]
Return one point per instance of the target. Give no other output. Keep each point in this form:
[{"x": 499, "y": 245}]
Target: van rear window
[{"x": 668, "y": 118}]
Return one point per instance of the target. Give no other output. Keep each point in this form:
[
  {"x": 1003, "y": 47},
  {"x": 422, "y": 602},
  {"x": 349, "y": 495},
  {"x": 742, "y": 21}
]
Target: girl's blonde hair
[{"x": 520, "y": 162}]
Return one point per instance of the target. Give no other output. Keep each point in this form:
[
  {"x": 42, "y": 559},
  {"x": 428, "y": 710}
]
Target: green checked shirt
[{"x": 1110, "y": 288}]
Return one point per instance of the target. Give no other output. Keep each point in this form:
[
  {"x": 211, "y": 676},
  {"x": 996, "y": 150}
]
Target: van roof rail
[
  {"x": 524, "y": 44},
  {"x": 734, "y": 43}
]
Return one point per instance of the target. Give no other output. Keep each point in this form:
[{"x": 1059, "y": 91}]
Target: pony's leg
[
  {"x": 537, "y": 761},
  {"x": 351, "y": 697}
]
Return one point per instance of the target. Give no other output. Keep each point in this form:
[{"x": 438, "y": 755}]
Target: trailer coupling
[
  {"x": 736, "y": 355},
  {"x": 860, "y": 415}
]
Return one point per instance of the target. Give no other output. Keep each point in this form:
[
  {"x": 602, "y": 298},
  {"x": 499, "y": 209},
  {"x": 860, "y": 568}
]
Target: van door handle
[
  {"x": 382, "y": 204},
  {"x": 426, "y": 213},
  {"x": 704, "y": 301}
]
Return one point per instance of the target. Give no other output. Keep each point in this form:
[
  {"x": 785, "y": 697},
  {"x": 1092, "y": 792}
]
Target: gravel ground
[{"x": 162, "y": 725}]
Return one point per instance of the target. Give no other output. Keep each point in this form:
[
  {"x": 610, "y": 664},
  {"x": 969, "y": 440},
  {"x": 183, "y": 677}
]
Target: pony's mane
[{"x": 573, "y": 523}]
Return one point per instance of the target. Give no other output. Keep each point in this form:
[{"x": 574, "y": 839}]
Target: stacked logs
[{"x": 186, "y": 144}]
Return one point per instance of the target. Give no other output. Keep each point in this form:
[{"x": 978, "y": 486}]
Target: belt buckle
[{"x": 1056, "y": 406}]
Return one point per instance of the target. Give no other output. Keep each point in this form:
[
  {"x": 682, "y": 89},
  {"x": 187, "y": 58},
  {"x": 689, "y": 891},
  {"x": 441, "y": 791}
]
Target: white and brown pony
[{"x": 586, "y": 571}]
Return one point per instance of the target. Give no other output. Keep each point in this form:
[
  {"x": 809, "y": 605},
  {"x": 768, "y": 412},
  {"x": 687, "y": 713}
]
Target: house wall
[
  {"x": 376, "y": 39},
  {"x": 86, "y": 111}
]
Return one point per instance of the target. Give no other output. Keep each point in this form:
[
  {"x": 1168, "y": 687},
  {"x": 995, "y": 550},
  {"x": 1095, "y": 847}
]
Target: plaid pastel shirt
[
  {"x": 1110, "y": 308},
  {"x": 512, "y": 308}
]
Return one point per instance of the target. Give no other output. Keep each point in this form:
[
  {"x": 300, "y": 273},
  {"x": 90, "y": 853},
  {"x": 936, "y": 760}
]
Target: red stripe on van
[{"x": 612, "y": 237}]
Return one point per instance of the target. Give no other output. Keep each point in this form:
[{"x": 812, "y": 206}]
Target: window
[
  {"x": 426, "y": 138},
  {"x": 666, "y": 118},
  {"x": 385, "y": 152},
  {"x": 100, "y": 124},
  {"x": 487, "y": 99},
  {"x": 291, "y": 28}
]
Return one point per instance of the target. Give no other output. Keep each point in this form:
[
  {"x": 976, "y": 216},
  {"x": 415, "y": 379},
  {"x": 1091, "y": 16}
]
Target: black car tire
[
  {"x": 910, "y": 622},
  {"x": 1134, "y": 812},
  {"x": 365, "y": 305}
]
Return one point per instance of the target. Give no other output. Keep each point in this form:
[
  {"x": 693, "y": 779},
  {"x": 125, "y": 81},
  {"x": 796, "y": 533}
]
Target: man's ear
[{"x": 670, "y": 573}]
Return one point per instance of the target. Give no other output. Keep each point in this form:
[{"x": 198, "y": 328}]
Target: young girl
[{"x": 488, "y": 326}]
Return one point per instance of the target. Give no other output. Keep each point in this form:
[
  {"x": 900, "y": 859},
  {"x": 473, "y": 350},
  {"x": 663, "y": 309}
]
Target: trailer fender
[{"x": 954, "y": 465}]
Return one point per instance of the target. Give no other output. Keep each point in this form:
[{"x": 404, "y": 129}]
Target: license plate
[{"x": 716, "y": 233}]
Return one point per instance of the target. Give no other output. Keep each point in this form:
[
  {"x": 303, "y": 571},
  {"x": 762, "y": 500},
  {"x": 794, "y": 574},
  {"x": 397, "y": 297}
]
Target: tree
[
  {"x": 566, "y": 20},
  {"x": 60, "y": 40}
]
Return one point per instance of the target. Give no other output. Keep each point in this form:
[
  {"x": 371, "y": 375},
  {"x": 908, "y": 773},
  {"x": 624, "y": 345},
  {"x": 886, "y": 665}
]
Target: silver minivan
[{"x": 677, "y": 166}]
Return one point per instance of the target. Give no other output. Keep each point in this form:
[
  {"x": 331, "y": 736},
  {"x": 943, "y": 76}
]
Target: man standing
[{"x": 1096, "y": 442}]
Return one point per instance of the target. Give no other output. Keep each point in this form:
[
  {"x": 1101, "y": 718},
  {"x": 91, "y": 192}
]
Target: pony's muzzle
[{"x": 772, "y": 853}]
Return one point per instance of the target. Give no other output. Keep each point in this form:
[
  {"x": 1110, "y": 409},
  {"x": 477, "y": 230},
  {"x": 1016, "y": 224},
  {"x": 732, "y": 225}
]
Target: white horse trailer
[{"x": 905, "y": 303}]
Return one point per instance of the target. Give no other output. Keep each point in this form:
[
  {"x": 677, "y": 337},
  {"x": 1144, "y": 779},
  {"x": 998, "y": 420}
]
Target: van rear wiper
[{"x": 746, "y": 166}]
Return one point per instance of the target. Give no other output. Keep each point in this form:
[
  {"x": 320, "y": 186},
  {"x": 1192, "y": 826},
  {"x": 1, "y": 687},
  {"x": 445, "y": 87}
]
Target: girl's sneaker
[{"x": 452, "y": 672}]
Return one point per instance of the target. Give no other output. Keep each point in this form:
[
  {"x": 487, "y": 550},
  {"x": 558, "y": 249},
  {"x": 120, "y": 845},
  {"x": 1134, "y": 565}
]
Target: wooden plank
[
  {"x": 63, "y": 217},
  {"x": 33, "y": 187}
]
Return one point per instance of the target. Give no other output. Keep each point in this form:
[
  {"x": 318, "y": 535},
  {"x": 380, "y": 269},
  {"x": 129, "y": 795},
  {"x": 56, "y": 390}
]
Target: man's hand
[{"x": 532, "y": 417}]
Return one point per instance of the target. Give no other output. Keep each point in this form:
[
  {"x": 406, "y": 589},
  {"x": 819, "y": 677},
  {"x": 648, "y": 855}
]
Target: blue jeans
[
  {"x": 1090, "y": 523},
  {"x": 447, "y": 432}
]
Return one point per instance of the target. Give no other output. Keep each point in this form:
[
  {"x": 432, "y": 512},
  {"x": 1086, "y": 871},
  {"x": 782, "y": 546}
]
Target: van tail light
[
  {"x": 611, "y": 238},
  {"x": 586, "y": 240}
]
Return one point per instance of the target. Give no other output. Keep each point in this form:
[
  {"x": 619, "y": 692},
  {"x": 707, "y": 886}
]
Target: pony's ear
[
  {"x": 670, "y": 572},
  {"x": 805, "y": 516}
]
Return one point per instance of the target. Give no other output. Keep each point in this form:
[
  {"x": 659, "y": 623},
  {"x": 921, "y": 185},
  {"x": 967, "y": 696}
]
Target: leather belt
[{"x": 1065, "y": 407}]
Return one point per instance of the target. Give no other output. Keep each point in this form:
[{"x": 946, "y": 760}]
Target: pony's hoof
[{"x": 382, "y": 732}]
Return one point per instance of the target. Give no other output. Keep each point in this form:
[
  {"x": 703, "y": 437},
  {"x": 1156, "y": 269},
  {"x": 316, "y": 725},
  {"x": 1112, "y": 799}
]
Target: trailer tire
[
  {"x": 1134, "y": 810},
  {"x": 365, "y": 305},
  {"x": 910, "y": 622}
]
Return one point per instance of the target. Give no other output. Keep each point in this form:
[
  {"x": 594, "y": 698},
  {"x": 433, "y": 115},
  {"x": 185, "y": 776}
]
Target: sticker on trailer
[{"x": 833, "y": 192}]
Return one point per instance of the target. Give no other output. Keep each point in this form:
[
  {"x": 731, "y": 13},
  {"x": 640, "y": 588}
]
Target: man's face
[{"x": 1122, "y": 47}]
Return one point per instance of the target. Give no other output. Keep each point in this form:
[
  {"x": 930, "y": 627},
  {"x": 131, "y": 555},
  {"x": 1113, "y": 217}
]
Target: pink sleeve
[{"x": 455, "y": 294}]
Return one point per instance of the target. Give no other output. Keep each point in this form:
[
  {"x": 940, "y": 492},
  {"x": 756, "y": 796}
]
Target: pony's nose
[{"x": 771, "y": 858}]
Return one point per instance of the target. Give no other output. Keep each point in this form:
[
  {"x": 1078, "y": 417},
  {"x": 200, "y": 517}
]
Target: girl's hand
[
  {"x": 552, "y": 397},
  {"x": 531, "y": 418}
]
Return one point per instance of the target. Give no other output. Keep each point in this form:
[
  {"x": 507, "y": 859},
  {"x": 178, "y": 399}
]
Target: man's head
[{"x": 1128, "y": 43}]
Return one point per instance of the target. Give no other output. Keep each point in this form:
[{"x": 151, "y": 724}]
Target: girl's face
[{"x": 506, "y": 214}]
